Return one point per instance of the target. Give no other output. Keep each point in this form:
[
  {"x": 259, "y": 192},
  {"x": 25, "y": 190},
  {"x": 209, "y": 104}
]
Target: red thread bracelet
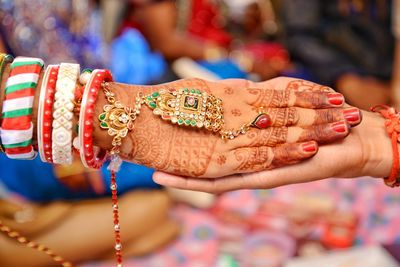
[
  {"x": 92, "y": 157},
  {"x": 392, "y": 124},
  {"x": 45, "y": 113}
]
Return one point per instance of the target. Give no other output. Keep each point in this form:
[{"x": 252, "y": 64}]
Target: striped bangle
[
  {"x": 63, "y": 113},
  {"x": 4, "y": 60},
  {"x": 17, "y": 127},
  {"x": 45, "y": 113}
]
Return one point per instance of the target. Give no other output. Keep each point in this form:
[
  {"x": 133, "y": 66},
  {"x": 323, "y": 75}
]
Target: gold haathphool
[{"x": 185, "y": 107}]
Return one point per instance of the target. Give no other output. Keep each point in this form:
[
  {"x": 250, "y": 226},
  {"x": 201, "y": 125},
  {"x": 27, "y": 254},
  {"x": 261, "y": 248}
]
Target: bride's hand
[{"x": 303, "y": 115}]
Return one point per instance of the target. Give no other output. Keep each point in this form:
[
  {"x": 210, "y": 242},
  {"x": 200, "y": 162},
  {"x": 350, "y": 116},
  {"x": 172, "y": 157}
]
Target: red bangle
[
  {"x": 392, "y": 124},
  {"x": 92, "y": 157},
  {"x": 45, "y": 113}
]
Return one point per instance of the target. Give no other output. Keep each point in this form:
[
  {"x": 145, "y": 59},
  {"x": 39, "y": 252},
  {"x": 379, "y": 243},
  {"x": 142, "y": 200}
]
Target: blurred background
[{"x": 350, "y": 45}]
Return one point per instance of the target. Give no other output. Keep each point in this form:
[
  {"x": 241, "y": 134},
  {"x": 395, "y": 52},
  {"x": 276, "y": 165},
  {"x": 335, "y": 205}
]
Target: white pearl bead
[
  {"x": 84, "y": 77},
  {"x": 118, "y": 246}
]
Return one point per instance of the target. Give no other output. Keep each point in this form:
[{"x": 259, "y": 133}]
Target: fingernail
[
  {"x": 339, "y": 127},
  {"x": 309, "y": 147},
  {"x": 335, "y": 99},
  {"x": 352, "y": 114}
]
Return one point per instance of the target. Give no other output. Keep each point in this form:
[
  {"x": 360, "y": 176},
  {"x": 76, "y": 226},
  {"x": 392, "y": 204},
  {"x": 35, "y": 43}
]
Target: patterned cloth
[
  {"x": 37, "y": 181},
  {"x": 204, "y": 238}
]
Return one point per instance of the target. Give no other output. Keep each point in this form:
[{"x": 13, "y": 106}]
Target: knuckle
[
  {"x": 291, "y": 116},
  {"x": 310, "y": 99},
  {"x": 328, "y": 115},
  {"x": 317, "y": 132}
]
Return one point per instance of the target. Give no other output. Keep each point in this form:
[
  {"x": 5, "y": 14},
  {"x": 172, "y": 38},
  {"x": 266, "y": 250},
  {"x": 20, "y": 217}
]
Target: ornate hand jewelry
[
  {"x": 187, "y": 107},
  {"x": 191, "y": 107},
  {"x": 118, "y": 119}
]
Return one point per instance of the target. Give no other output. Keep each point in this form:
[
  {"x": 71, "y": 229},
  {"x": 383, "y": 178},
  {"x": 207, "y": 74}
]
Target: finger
[
  {"x": 303, "y": 172},
  {"x": 322, "y": 133},
  {"x": 256, "y": 180},
  {"x": 251, "y": 159},
  {"x": 238, "y": 83},
  {"x": 309, "y": 117},
  {"x": 280, "y": 83},
  {"x": 298, "y": 173},
  {"x": 292, "y": 116},
  {"x": 268, "y": 98},
  {"x": 196, "y": 184},
  {"x": 273, "y": 136},
  {"x": 292, "y": 84}
]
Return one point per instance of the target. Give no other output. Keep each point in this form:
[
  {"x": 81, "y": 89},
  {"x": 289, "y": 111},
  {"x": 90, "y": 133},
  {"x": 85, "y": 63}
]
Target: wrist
[
  {"x": 377, "y": 151},
  {"x": 126, "y": 94}
]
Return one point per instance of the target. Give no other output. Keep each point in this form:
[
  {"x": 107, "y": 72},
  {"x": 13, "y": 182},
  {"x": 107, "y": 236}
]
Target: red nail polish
[
  {"x": 335, "y": 99},
  {"x": 352, "y": 114},
  {"x": 339, "y": 127},
  {"x": 309, "y": 147}
]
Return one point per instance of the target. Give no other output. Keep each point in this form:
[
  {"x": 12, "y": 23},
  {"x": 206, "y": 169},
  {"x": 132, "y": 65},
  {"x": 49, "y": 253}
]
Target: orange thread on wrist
[{"x": 392, "y": 124}]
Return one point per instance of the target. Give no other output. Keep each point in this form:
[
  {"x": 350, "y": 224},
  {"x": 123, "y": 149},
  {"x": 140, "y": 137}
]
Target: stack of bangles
[{"x": 66, "y": 110}]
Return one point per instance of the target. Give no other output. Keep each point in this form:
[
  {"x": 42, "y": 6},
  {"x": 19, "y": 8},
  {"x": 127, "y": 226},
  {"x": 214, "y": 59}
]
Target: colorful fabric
[
  {"x": 56, "y": 31},
  {"x": 37, "y": 181},
  {"x": 227, "y": 233}
]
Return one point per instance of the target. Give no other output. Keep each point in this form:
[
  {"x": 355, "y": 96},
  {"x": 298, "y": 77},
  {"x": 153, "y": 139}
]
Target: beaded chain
[
  {"x": 31, "y": 244},
  {"x": 118, "y": 120}
]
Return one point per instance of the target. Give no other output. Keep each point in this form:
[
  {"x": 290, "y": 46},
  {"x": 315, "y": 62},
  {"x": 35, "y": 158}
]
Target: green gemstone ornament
[{"x": 152, "y": 104}]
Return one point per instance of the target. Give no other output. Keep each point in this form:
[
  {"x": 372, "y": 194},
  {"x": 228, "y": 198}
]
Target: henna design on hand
[
  {"x": 236, "y": 112},
  {"x": 302, "y": 85},
  {"x": 221, "y": 160},
  {"x": 282, "y": 116},
  {"x": 253, "y": 159},
  {"x": 268, "y": 137},
  {"x": 269, "y": 98},
  {"x": 310, "y": 100},
  {"x": 322, "y": 133},
  {"x": 158, "y": 144},
  {"x": 328, "y": 115},
  {"x": 228, "y": 90},
  {"x": 286, "y": 155},
  {"x": 190, "y": 152}
]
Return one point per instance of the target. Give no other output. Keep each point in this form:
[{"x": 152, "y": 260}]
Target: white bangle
[{"x": 63, "y": 113}]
